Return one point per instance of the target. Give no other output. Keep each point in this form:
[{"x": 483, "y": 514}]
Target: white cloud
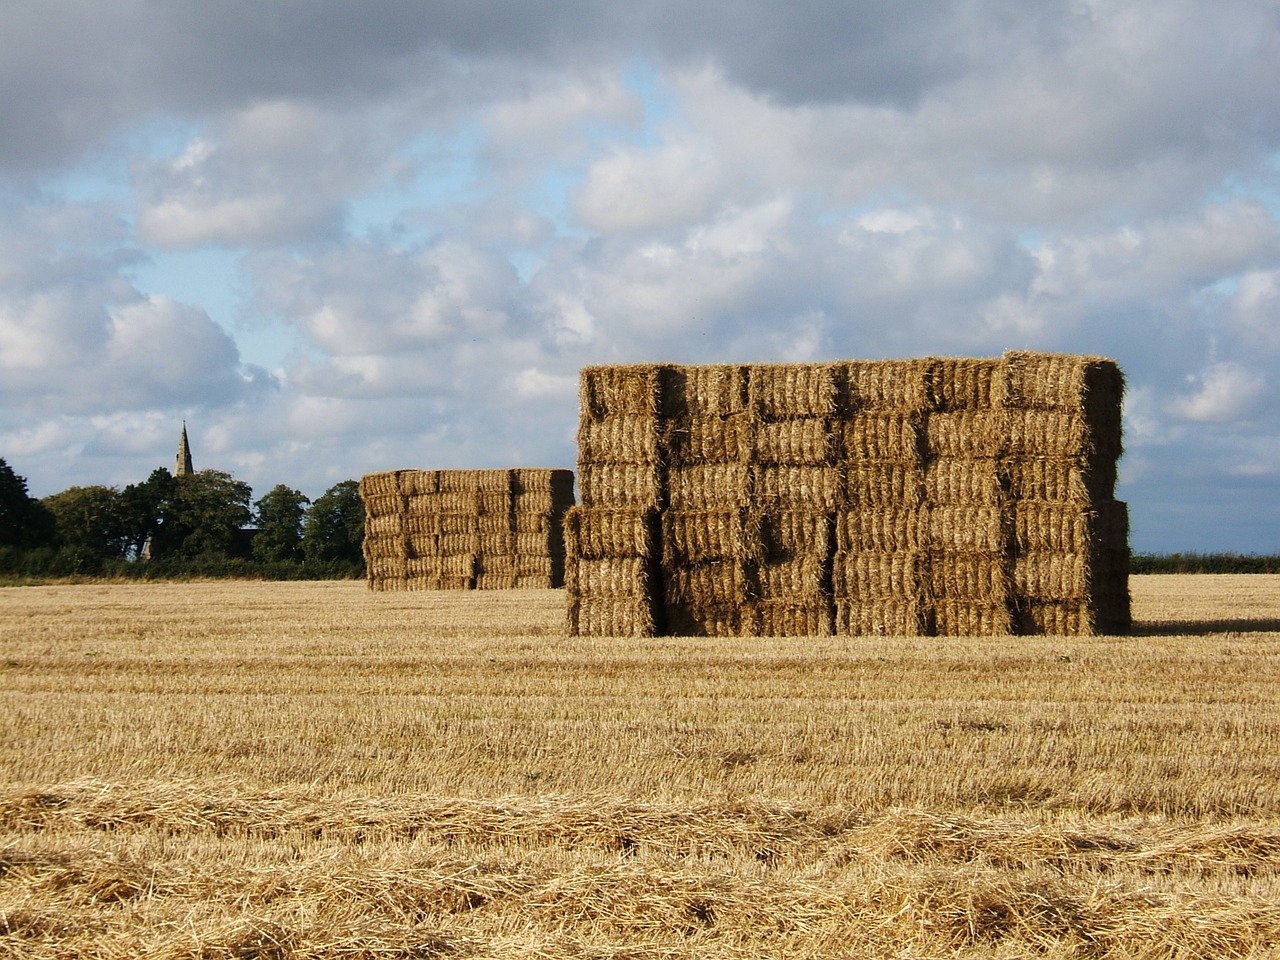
[
  {"x": 532, "y": 382},
  {"x": 451, "y": 206},
  {"x": 1254, "y": 312},
  {"x": 554, "y": 118},
  {"x": 634, "y": 188},
  {"x": 1224, "y": 392}
]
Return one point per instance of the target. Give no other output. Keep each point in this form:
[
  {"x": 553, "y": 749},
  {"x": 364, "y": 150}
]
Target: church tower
[{"x": 183, "y": 467}]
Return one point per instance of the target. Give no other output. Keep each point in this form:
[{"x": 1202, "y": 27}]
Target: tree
[
  {"x": 334, "y": 527},
  {"x": 24, "y": 521},
  {"x": 142, "y": 508},
  {"x": 203, "y": 515},
  {"x": 279, "y": 518},
  {"x": 89, "y": 521}
]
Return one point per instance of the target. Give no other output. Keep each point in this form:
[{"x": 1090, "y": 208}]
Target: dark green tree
[
  {"x": 334, "y": 529},
  {"x": 142, "y": 508},
  {"x": 279, "y": 516},
  {"x": 24, "y": 521},
  {"x": 203, "y": 516},
  {"x": 89, "y": 522}
]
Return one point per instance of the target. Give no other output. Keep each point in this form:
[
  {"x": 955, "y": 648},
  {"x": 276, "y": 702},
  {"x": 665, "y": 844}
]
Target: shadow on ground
[{"x": 1203, "y": 628}]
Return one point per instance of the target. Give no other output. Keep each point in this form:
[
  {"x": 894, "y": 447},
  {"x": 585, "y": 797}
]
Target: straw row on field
[
  {"x": 947, "y": 496},
  {"x": 465, "y": 529}
]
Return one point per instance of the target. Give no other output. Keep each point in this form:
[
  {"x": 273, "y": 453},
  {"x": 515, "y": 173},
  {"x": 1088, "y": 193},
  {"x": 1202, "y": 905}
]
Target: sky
[{"x": 337, "y": 238}]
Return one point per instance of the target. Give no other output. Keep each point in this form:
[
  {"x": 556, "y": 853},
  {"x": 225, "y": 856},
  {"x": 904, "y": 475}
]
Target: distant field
[{"x": 272, "y": 770}]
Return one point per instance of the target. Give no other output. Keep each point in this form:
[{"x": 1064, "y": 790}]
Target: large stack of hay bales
[
  {"x": 465, "y": 529},
  {"x": 915, "y": 497}
]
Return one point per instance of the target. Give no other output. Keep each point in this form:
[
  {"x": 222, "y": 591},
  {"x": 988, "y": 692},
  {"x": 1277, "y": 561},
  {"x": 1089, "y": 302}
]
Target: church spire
[{"x": 183, "y": 466}]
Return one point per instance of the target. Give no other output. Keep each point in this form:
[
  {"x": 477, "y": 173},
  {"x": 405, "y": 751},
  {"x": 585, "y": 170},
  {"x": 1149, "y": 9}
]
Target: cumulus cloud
[
  {"x": 635, "y": 189},
  {"x": 365, "y": 299},
  {"x": 1223, "y": 392},
  {"x": 445, "y": 210}
]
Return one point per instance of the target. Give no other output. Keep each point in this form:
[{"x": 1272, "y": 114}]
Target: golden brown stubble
[
  {"x": 327, "y": 684},
  {"x": 312, "y": 770}
]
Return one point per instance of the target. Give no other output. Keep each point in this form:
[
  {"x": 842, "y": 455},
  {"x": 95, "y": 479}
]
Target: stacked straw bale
[
  {"x": 612, "y": 542},
  {"x": 911, "y": 497},
  {"x": 465, "y": 529},
  {"x": 795, "y": 485},
  {"x": 709, "y": 544},
  {"x": 1069, "y": 534},
  {"x": 967, "y": 555}
]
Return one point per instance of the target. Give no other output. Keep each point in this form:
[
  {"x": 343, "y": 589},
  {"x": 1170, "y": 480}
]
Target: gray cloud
[{"x": 445, "y": 209}]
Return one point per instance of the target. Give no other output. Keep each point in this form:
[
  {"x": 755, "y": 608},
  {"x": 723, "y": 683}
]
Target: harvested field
[{"x": 283, "y": 770}]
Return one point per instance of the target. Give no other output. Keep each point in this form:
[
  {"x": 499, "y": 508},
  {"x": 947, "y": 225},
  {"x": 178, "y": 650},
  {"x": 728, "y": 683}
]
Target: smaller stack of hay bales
[
  {"x": 612, "y": 544},
  {"x": 539, "y": 500},
  {"x": 465, "y": 529}
]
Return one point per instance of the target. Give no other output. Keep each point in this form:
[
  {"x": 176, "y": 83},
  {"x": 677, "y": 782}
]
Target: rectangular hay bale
[
  {"x": 797, "y": 441},
  {"x": 627, "y": 389},
  {"x": 384, "y": 505},
  {"x": 787, "y": 391},
  {"x": 783, "y": 486},
  {"x": 620, "y": 439},
  {"x": 883, "y": 484},
  {"x": 958, "y": 575},
  {"x": 963, "y": 383},
  {"x": 785, "y": 534},
  {"x": 870, "y": 436},
  {"x": 698, "y": 536},
  {"x": 971, "y": 618},
  {"x": 707, "y": 584},
  {"x": 878, "y": 576},
  {"x": 599, "y": 532},
  {"x": 385, "y": 526},
  {"x": 709, "y": 486},
  {"x": 797, "y": 579},
  {"x": 881, "y": 529},
  {"x": 385, "y": 483},
  {"x": 625, "y": 485},
  {"x": 882, "y": 617},
  {"x": 609, "y": 577},
  {"x": 885, "y": 385},
  {"x": 969, "y": 434},
  {"x": 964, "y": 480},
  {"x": 1053, "y": 575},
  {"x": 968, "y": 528},
  {"x": 706, "y": 391},
  {"x": 788, "y": 618},
  {"x": 416, "y": 482},
  {"x": 609, "y": 616},
  {"x": 1060, "y": 479},
  {"x": 709, "y": 440}
]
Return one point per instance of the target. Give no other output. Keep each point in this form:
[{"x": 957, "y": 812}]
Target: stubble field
[{"x": 277, "y": 770}]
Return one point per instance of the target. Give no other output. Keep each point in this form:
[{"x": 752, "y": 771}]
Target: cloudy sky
[{"x": 342, "y": 237}]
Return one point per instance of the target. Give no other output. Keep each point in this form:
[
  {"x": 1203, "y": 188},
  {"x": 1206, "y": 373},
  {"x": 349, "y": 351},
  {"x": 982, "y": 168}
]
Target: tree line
[{"x": 200, "y": 524}]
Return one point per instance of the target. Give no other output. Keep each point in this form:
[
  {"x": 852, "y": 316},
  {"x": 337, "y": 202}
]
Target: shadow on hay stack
[
  {"x": 914, "y": 497},
  {"x": 465, "y": 529}
]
